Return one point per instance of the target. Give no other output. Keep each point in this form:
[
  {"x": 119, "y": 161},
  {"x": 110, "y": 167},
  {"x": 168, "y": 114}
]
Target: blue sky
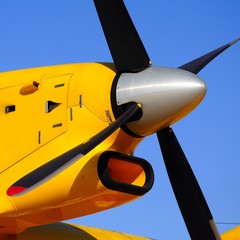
[{"x": 43, "y": 32}]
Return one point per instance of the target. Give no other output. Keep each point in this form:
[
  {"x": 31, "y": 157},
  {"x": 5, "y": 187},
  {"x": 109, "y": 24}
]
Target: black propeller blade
[
  {"x": 55, "y": 166},
  {"x": 193, "y": 206},
  {"x": 127, "y": 50},
  {"x": 198, "y": 64}
]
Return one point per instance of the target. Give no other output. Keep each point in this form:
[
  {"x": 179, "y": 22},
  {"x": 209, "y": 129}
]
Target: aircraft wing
[
  {"x": 63, "y": 231},
  {"x": 233, "y": 234}
]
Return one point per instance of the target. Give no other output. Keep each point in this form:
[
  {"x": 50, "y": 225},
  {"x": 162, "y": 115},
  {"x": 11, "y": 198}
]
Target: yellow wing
[
  {"x": 64, "y": 231},
  {"x": 233, "y": 234}
]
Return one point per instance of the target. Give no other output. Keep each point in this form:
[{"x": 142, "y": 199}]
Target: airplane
[{"x": 48, "y": 108}]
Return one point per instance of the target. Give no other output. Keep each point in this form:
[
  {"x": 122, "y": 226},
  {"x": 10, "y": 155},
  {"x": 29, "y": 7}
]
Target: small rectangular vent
[
  {"x": 57, "y": 125},
  {"x": 59, "y": 85},
  {"x": 11, "y": 108}
]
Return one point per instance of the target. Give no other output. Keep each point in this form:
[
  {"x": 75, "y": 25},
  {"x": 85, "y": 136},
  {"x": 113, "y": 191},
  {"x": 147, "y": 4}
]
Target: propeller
[{"x": 129, "y": 55}]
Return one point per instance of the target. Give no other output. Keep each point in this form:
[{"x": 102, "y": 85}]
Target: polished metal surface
[{"x": 166, "y": 95}]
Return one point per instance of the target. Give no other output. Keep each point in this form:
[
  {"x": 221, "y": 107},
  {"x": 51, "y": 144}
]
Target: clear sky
[{"x": 43, "y": 32}]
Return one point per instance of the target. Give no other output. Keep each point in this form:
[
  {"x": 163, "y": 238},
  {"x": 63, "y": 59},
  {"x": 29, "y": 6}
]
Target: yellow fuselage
[{"x": 44, "y": 112}]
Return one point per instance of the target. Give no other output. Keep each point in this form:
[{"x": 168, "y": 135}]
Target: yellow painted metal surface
[
  {"x": 32, "y": 136},
  {"x": 233, "y": 234},
  {"x": 30, "y": 127},
  {"x": 63, "y": 231}
]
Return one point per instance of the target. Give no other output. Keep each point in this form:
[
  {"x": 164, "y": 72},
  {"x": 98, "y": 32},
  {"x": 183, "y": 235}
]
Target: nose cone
[{"x": 166, "y": 95}]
